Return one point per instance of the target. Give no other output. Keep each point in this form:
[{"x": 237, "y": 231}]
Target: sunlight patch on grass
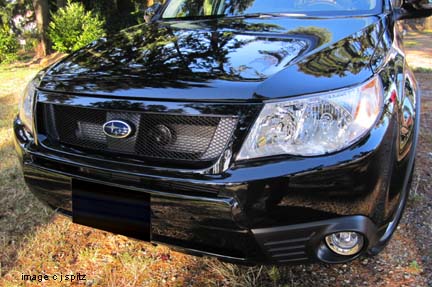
[{"x": 14, "y": 80}]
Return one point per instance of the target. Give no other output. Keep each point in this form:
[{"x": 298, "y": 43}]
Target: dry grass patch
[{"x": 61, "y": 248}]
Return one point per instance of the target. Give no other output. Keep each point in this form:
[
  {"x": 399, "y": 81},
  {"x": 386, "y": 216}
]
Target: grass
[{"x": 415, "y": 267}]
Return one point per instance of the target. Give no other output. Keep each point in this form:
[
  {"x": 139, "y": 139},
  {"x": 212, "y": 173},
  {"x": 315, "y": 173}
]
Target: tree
[
  {"x": 72, "y": 27},
  {"x": 41, "y": 8}
]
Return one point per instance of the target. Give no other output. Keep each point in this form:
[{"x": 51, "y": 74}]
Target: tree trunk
[{"x": 41, "y": 9}]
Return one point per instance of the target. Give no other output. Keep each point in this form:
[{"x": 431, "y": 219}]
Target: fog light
[{"x": 345, "y": 243}]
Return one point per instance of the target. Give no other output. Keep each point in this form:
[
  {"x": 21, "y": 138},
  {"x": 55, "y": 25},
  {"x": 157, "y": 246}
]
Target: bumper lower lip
[{"x": 255, "y": 214}]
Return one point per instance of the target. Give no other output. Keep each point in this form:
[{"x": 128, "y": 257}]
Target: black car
[{"x": 256, "y": 131}]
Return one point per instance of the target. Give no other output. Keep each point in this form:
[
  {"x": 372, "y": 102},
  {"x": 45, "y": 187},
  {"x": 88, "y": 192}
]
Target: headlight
[
  {"x": 26, "y": 106},
  {"x": 315, "y": 124}
]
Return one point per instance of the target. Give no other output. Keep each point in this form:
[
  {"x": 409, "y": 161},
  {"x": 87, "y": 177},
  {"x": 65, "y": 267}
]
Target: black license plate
[{"x": 112, "y": 209}]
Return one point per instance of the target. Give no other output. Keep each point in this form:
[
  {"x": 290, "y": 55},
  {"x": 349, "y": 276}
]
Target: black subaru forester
[{"x": 256, "y": 131}]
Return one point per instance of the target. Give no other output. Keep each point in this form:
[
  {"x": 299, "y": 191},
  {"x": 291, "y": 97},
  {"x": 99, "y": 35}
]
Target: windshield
[{"x": 212, "y": 8}]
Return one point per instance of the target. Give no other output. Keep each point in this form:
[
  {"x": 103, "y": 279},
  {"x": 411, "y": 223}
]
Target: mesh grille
[{"x": 155, "y": 135}]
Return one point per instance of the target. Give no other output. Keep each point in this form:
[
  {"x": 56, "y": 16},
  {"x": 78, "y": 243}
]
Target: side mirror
[
  {"x": 151, "y": 11},
  {"x": 414, "y": 9}
]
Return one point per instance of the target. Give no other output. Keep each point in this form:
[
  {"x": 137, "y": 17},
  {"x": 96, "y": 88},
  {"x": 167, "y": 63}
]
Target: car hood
[{"x": 225, "y": 59}]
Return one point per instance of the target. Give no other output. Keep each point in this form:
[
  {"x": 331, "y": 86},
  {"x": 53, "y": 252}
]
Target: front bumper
[{"x": 270, "y": 211}]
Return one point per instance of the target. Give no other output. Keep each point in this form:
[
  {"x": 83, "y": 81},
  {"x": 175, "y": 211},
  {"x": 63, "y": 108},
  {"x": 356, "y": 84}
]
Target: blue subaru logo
[{"x": 117, "y": 129}]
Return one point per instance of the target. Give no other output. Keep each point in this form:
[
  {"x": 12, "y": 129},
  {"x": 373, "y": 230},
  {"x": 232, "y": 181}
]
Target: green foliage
[
  {"x": 274, "y": 275},
  {"x": 8, "y": 45},
  {"x": 72, "y": 28}
]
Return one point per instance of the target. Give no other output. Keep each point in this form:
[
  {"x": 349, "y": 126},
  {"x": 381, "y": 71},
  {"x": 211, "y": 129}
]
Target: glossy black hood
[{"x": 229, "y": 59}]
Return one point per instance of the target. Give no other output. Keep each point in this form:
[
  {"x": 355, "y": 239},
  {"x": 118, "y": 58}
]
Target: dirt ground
[{"x": 33, "y": 241}]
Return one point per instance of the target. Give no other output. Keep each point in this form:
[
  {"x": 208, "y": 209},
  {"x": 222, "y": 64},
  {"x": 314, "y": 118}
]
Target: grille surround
[{"x": 194, "y": 138}]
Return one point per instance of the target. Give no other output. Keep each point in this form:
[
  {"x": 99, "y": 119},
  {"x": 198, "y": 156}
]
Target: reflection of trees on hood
[
  {"x": 156, "y": 52},
  {"x": 320, "y": 35},
  {"x": 349, "y": 55},
  {"x": 166, "y": 56}
]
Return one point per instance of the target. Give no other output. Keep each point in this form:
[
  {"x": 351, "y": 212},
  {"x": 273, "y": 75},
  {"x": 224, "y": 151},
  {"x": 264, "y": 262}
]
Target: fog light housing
[{"x": 345, "y": 243}]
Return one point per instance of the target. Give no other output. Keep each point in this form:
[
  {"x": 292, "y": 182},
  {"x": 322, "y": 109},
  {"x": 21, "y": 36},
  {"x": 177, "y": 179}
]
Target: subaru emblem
[{"x": 117, "y": 129}]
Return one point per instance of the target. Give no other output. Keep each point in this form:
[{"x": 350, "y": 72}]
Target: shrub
[
  {"x": 72, "y": 28},
  {"x": 8, "y": 45}
]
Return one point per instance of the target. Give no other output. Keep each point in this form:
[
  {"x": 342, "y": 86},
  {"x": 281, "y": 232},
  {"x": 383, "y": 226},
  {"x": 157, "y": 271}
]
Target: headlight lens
[
  {"x": 26, "y": 106},
  {"x": 316, "y": 124}
]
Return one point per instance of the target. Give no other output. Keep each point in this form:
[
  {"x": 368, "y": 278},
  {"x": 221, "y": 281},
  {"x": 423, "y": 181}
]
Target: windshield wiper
[
  {"x": 218, "y": 16},
  {"x": 258, "y": 15},
  {"x": 269, "y": 15},
  {"x": 189, "y": 18}
]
